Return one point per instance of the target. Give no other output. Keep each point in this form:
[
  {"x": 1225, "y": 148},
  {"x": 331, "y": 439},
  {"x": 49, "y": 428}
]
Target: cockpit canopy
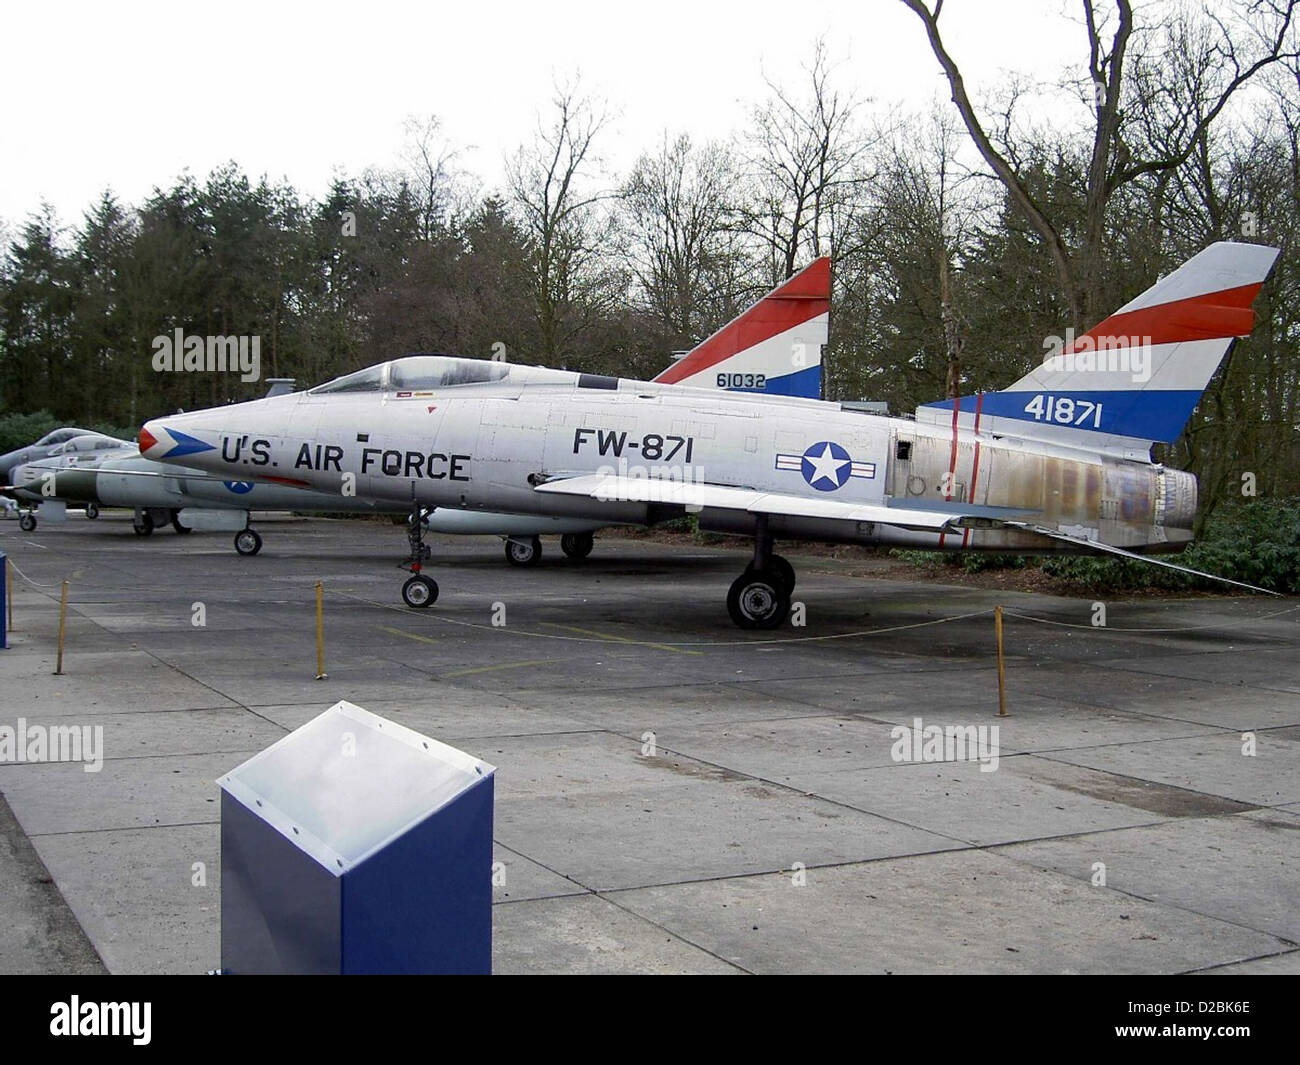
[
  {"x": 90, "y": 442},
  {"x": 417, "y": 373},
  {"x": 59, "y": 436}
]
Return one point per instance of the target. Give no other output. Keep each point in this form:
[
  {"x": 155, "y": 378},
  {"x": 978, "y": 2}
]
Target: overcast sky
[{"x": 130, "y": 94}]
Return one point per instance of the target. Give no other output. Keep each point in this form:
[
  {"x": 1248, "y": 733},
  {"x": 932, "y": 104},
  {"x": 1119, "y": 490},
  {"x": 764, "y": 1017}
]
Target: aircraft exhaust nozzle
[{"x": 1176, "y": 499}]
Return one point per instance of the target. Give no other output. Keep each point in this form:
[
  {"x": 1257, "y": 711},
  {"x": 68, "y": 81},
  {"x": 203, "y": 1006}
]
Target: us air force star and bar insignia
[{"x": 826, "y": 466}]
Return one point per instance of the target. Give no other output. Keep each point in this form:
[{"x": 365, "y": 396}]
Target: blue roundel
[
  {"x": 826, "y": 466},
  {"x": 239, "y": 487}
]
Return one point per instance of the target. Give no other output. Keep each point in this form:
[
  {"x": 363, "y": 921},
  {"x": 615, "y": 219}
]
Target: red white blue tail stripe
[
  {"x": 773, "y": 348},
  {"x": 1137, "y": 376}
]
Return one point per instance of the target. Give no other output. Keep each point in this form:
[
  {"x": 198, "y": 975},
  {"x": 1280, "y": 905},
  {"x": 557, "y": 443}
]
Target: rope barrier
[
  {"x": 682, "y": 643},
  {"x": 1178, "y": 628}
]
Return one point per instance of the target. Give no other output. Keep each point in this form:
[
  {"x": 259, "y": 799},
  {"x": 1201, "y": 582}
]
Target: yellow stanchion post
[
  {"x": 63, "y": 621},
  {"x": 1002, "y": 672},
  {"x": 320, "y": 630},
  {"x": 9, "y": 591}
]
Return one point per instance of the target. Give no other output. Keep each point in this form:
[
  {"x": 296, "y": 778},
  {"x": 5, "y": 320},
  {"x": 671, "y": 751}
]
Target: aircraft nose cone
[{"x": 147, "y": 440}]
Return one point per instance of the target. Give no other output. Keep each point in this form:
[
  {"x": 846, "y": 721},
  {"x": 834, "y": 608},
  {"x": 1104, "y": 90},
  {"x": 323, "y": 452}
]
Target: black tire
[
  {"x": 577, "y": 545},
  {"x": 757, "y": 599},
  {"x": 524, "y": 552},
  {"x": 176, "y": 524},
  {"x": 92, "y": 511},
  {"x": 784, "y": 571},
  {"x": 143, "y": 525},
  {"x": 248, "y": 542},
  {"x": 420, "y": 592},
  {"x": 27, "y": 522}
]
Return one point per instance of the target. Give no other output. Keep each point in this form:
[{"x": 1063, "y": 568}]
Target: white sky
[{"x": 129, "y": 94}]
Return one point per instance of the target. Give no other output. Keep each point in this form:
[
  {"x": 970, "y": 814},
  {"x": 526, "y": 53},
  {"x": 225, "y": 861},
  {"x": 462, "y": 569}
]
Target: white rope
[
  {"x": 1116, "y": 628},
  {"x": 662, "y": 643}
]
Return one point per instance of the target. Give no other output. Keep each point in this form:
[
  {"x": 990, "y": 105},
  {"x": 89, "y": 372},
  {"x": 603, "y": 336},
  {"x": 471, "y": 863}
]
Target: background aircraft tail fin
[
  {"x": 774, "y": 347},
  {"x": 1136, "y": 377}
]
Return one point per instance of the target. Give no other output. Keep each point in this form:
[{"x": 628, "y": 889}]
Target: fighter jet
[
  {"x": 47, "y": 446},
  {"x": 774, "y": 347},
  {"x": 65, "y": 447},
  {"x": 1059, "y": 461}
]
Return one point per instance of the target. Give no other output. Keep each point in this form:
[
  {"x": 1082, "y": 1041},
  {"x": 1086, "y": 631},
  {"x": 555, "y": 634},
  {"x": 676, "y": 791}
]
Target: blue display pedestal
[{"x": 355, "y": 845}]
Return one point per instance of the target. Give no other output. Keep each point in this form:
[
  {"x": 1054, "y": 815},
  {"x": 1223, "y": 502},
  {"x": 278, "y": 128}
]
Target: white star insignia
[{"x": 826, "y": 467}]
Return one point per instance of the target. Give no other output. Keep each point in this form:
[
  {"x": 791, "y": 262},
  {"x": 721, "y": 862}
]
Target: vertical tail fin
[
  {"x": 1136, "y": 377},
  {"x": 775, "y": 347}
]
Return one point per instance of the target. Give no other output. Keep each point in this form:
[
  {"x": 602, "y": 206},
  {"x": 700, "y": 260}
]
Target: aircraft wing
[
  {"x": 613, "y": 488},
  {"x": 1110, "y": 549}
]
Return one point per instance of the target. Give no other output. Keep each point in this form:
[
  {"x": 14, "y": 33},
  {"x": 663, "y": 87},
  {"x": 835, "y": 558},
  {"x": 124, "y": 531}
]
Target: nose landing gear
[{"x": 419, "y": 591}]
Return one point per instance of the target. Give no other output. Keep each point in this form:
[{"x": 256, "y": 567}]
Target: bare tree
[
  {"x": 432, "y": 162},
  {"x": 563, "y": 218},
  {"x": 682, "y": 244},
  {"x": 802, "y": 156},
  {"x": 1145, "y": 121}
]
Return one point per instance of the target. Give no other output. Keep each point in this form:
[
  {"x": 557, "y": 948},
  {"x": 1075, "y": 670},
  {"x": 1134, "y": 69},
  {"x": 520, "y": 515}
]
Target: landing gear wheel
[
  {"x": 92, "y": 511},
  {"x": 27, "y": 522},
  {"x": 758, "y": 600},
  {"x": 524, "y": 552},
  {"x": 577, "y": 545},
  {"x": 248, "y": 542},
  {"x": 783, "y": 571},
  {"x": 419, "y": 592},
  {"x": 143, "y": 525},
  {"x": 176, "y": 523}
]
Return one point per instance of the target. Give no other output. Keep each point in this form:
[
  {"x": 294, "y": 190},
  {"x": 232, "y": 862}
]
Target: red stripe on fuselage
[
  {"x": 975, "y": 463},
  {"x": 952, "y": 459}
]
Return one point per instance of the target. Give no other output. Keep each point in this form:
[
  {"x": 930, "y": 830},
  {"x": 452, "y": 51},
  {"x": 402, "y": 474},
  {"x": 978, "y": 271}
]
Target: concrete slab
[
  {"x": 1027, "y": 797},
  {"x": 1240, "y": 868},
  {"x": 1211, "y": 764},
  {"x": 125, "y": 793},
  {"x": 135, "y": 893},
  {"x": 771, "y": 749},
  {"x": 961, "y": 912},
  {"x": 591, "y": 807},
  {"x": 589, "y": 935}
]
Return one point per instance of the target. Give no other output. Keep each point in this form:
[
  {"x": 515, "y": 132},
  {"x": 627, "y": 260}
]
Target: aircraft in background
[
  {"x": 68, "y": 446},
  {"x": 47, "y": 446},
  {"x": 1060, "y": 461}
]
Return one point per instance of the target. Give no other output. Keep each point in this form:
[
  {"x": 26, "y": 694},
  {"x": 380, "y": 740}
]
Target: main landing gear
[
  {"x": 247, "y": 541},
  {"x": 523, "y": 550},
  {"x": 760, "y": 597},
  {"x": 419, "y": 591},
  {"x": 577, "y": 545},
  {"x": 527, "y": 550}
]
